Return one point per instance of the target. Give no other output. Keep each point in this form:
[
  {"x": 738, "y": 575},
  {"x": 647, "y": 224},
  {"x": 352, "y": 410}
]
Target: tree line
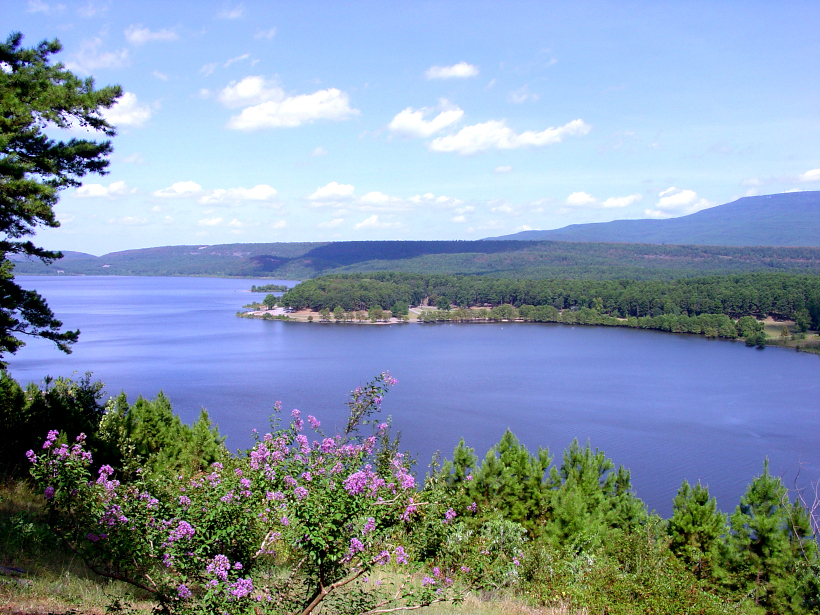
[{"x": 779, "y": 295}]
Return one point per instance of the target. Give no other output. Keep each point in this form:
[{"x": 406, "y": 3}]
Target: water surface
[{"x": 666, "y": 406}]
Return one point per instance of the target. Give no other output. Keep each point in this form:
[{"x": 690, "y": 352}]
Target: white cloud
[
  {"x": 135, "y": 158},
  {"x": 522, "y": 95},
  {"x": 621, "y": 201},
  {"x": 259, "y": 193},
  {"x": 160, "y": 76},
  {"x": 236, "y": 223},
  {"x": 810, "y": 176},
  {"x": 250, "y": 91},
  {"x": 92, "y": 9},
  {"x": 411, "y": 122},
  {"x": 674, "y": 202},
  {"x": 127, "y": 111},
  {"x": 581, "y": 199},
  {"x": 332, "y": 223},
  {"x": 279, "y": 224},
  {"x": 280, "y": 111},
  {"x": 98, "y": 190},
  {"x": 179, "y": 189},
  {"x": 794, "y": 190},
  {"x": 373, "y": 222},
  {"x": 375, "y": 198},
  {"x": 90, "y": 58},
  {"x": 319, "y": 151},
  {"x": 461, "y": 70},
  {"x": 754, "y": 181},
  {"x": 137, "y": 35},
  {"x": 333, "y": 192},
  {"x": 496, "y": 134},
  {"x": 505, "y": 169},
  {"x": 208, "y": 69},
  {"x": 210, "y": 222},
  {"x": 268, "y": 34},
  {"x": 236, "y": 59},
  {"x": 458, "y": 218},
  {"x": 37, "y": 6},
  {"x": 232, "y": 13}
]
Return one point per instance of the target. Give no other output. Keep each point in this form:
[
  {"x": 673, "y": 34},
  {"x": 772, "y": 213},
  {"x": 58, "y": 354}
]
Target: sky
[{"x": 319, "y": 121}]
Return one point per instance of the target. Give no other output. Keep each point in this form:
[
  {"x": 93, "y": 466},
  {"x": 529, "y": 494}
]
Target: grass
[{"x": 55, "y": 580}]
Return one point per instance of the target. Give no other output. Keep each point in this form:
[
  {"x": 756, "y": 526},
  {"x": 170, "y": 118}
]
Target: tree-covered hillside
[
  {"x": 512, "y": 259},
  {"x": 790, "y": 219}
]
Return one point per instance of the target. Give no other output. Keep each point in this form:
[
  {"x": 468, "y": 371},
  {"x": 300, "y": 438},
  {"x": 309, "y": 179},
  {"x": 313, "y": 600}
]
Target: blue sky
[{"x": 314, "y": 121}]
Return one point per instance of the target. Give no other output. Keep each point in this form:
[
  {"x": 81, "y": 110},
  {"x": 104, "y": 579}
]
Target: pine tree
[
  {"x": 765, "y": 547},
  {"x": 695, "y": 529}
]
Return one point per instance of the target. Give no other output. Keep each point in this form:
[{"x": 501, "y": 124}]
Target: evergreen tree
[
  {"x": 766, "y": 546},
  {"x": 589, "y": 497},
  {"x": 695, "y": 529},
  {"x": 36, "y": 95},
  {"x": 149, "y": 434}
]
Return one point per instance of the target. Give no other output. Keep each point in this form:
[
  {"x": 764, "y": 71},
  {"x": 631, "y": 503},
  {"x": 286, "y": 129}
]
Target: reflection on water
[{"x": 666, "y": 406}]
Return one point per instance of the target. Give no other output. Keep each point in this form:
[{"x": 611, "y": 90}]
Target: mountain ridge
[{"x": 789, "y": 219}]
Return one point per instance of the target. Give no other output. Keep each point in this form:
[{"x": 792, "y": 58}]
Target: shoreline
[{"x": 810, "y": 344}]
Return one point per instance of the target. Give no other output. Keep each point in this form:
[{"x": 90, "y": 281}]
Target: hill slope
[
  {"x": 789, "y": 219},
  {"x": 518, "y": 259}
]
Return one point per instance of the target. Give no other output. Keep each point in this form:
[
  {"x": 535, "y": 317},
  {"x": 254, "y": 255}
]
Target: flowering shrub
[{"x": 294, "y": 523}]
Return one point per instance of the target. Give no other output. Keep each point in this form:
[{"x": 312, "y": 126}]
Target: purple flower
[
  {"x": 285, "y": 521},
  {"x": 49, "y": 492},
  {"x": 314, "y": 422},
  {"x": 401, "y": 556},
  {"x": 436, "y": 571},
  {"x": 301, "y": 493},
  {"x": 185, "y": 501},
  {"x": 465, "y": 569},
  {"x": 50, "y": 438},
  {"x": 369, "y": 526},
  {"x": 219, "y": 567},
  {"x": 241, "y": 588},
  {"x": 183, "y": 530},
  {"x": 383, "y": 558},
  {"x": 183, "y": 592},
  {"x": 449, "y": 515},
  {"x": 356, "y": 546},
  {"x": 427, "y": 581},
  {"x": 31, "y": 456},
  {"x": 472, "y": 507}
]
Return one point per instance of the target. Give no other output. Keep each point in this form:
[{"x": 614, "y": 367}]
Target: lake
[{"x": 666, "y": 406}]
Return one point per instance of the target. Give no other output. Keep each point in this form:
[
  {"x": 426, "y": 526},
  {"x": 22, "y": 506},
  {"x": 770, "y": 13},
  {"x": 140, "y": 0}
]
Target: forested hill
[
  {"x": 512, "y": 259},
  {"x": 789, "y": 219}
]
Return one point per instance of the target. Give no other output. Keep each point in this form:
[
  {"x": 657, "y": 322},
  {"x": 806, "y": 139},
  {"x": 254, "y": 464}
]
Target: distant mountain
[
  {"x": 518, "y": 259},
  {"x": 789, "y": 219}
]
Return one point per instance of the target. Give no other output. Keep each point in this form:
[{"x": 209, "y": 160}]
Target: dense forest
[
  {"x": 511, "y": 259},
  {"x": 782, "y": 296},
  {"x": 343, "y": 522}
]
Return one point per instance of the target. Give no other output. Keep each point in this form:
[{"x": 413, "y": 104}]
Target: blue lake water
[{"x": 666, "y": 406}]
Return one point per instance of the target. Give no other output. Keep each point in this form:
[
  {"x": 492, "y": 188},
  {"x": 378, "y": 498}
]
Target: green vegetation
[
  {"x": 269, "y": 288},
  {"x": 509, "y": 259},
  {"x": 172, "y": 508},
  {"x": 716, "y": 306},
  {"x": 36, "y": 95}
]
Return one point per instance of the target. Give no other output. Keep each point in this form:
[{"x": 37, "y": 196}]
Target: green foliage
[
  {"x": 634, "y": 572},
  {"x": 770, "y": 547},
  {"x": 269, "y": 301},
  {"x": 148, "y": 435},
  {"x": 269, "y": 288},
  {"x": 287, "y": 527},
  {"x": 589, "y": 497},
  {"x": 695, "y": 530},
  {"x": 26, "y": 416},
  {"x": 35, "y": 95}
]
